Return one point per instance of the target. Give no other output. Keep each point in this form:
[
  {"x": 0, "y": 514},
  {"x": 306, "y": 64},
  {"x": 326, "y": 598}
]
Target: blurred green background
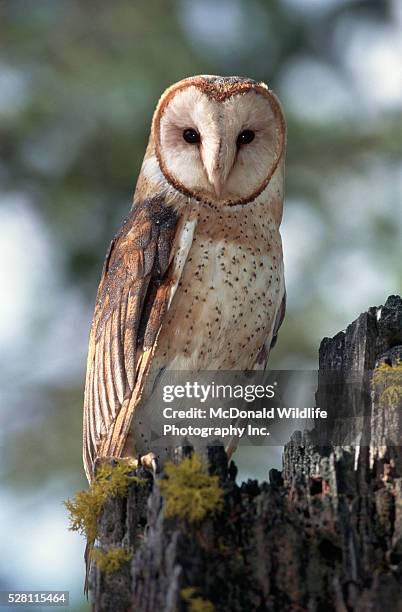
[{"x": 78, "y": 85}]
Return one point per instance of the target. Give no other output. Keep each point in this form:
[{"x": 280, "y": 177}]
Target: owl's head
[{"x": 219, "y": 139}]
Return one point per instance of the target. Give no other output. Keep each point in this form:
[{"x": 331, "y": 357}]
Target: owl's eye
[
  {"x": 191, "y": 136},
  {"x": 245, "y": 137}
]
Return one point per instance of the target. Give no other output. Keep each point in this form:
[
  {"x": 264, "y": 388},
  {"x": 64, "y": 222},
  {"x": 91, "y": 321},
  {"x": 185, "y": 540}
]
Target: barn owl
[{"x": 194, "y": 279}]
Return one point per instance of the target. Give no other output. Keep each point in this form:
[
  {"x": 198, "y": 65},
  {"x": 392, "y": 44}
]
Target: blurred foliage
[{"x": 37, "y": 452}]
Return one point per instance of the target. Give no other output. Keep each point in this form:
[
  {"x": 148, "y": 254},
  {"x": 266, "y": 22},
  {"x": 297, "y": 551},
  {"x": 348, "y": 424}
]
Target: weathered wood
[{"x": 325, "y": 534}]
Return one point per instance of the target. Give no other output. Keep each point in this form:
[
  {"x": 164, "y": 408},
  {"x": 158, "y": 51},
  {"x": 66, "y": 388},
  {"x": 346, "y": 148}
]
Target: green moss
[
  {"x": 190, "y": 492},
  {"x": 86, "y": 507},
  {"x": 111, "y": 560},
  {"x": 389, "y": 378},
  {"x": 195, "y": 603}
]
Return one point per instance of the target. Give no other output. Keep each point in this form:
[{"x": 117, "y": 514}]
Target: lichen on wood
[
  {"x": 194, "y": 602},
  {"x": 189, "y": 492},
  {"x": 389, "y": 377},
  {"x": 112, "y": 559},
  {"x": 111, "y": 480}
]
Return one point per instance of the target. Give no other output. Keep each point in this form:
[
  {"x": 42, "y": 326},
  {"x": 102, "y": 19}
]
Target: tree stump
[{"x": 323, "y": 534}]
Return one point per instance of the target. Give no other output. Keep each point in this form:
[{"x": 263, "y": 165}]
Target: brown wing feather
[{"x": 131, "y": 302}]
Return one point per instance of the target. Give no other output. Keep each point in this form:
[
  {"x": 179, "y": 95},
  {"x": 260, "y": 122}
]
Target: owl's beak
[
  {"x": 218, "y": 168},
  {"x": 210, "y": 156},
  {"x": 216, "y": 182}
]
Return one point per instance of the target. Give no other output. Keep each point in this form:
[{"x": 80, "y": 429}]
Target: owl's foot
[
  {"x": 110, "y": 460},
  {"x": 130, "y": 462},
  {"x": 149, "y": 462}
]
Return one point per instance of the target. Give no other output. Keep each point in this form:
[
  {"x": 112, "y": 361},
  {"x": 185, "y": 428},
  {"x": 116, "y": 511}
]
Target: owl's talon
[
  {"x": 113, "y": 461},
  {"x": 99, "y": 461},
  {"x": 131, "y": 462},
  {"x": 149, "y": 462}
]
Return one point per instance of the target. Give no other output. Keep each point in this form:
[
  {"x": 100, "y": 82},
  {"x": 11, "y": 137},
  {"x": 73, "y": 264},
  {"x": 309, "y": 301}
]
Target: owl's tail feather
[{"x": 87, "y": 559}]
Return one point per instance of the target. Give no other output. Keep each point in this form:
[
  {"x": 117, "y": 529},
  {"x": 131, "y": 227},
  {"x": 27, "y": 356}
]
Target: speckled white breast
[{"x": 229, "y": 293}]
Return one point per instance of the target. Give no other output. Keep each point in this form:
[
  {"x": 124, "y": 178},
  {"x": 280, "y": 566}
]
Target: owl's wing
[{"x": 137, "y": 285}]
